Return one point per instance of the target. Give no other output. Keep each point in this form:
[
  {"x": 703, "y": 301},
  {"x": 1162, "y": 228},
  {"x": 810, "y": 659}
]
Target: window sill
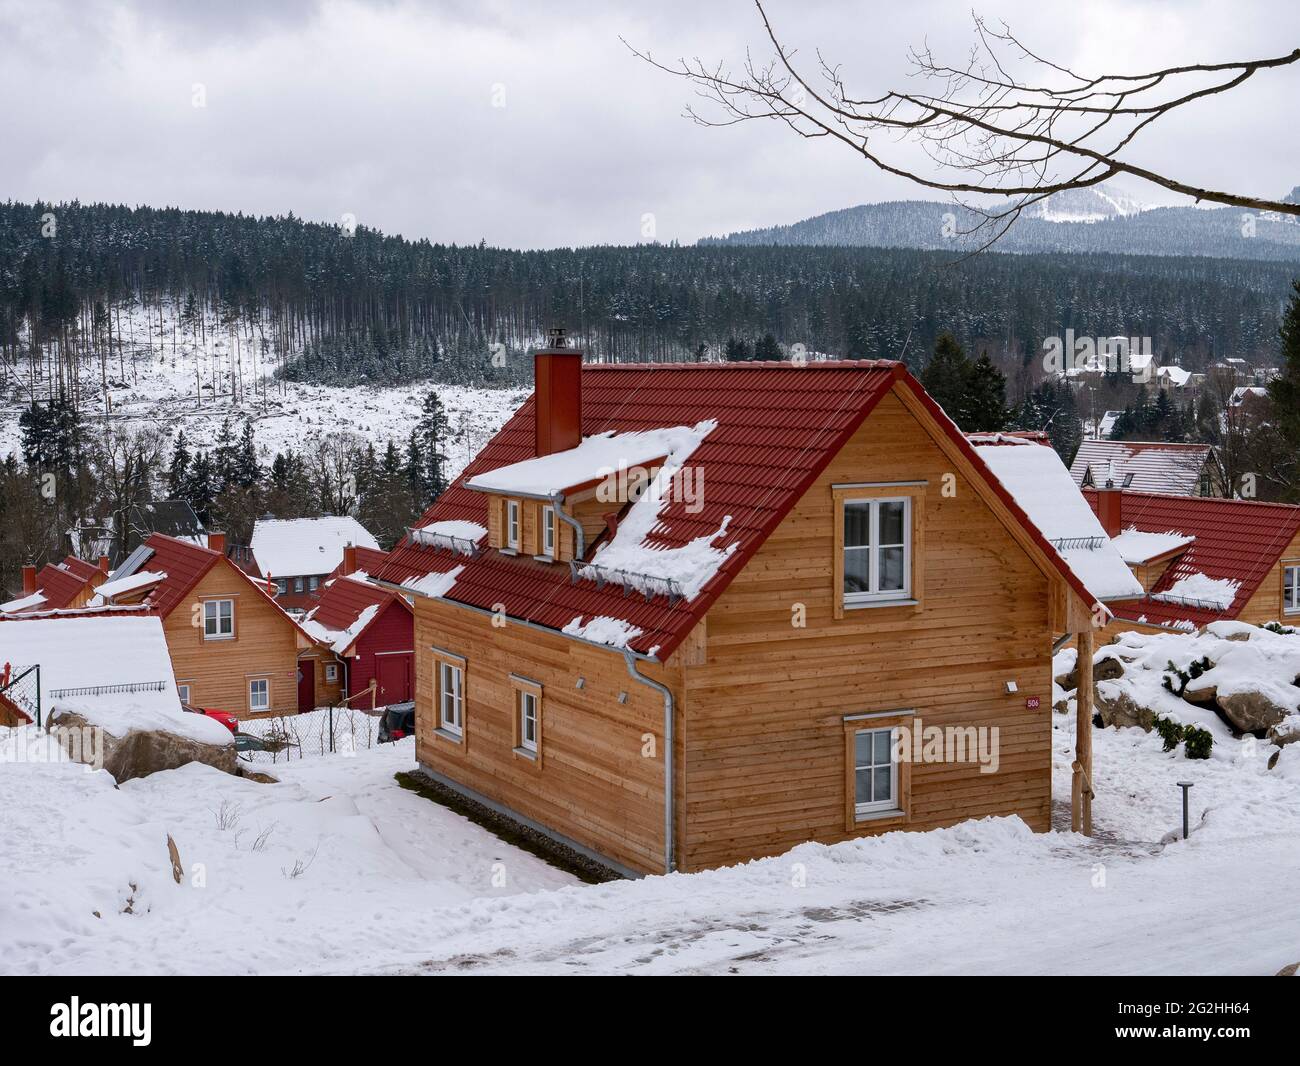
[
  {"x": 212, "y": 640},
  {"x": 881, "y": 603},
  {"x": 876, "y": 816},
  {"x": 544, "y": 558},
  {"x": 525, "y": 753},
  {"x": 447, "y": 734},
  {"x": 508, "y": 551}
]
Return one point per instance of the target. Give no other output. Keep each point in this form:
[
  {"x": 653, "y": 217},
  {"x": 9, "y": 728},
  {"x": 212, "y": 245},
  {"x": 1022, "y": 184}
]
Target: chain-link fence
[
  {"x": 326, "y": 731},
  {"x": 20, "y": 695}
]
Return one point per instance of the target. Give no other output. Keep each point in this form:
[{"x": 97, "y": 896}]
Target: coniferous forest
[{"x": 341, "y": 307}]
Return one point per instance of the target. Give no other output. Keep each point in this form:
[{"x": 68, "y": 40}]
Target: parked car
[
  {"x": 398, "y": 721},
  {"x": 224, "y": 717}
]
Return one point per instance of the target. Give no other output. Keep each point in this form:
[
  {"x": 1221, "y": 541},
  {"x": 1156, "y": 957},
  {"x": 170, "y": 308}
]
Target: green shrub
[
  {"x": 1192, "y": 672},
  {"x": 1197, "y": 742},
  {"x": 1170, "y": 731}
]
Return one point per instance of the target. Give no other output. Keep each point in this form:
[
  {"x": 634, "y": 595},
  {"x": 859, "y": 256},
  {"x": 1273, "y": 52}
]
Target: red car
[{"x": 224, "y": 717}]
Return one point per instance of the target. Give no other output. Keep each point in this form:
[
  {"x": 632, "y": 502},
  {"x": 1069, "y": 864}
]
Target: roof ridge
[{"x": 761, "y": 364}]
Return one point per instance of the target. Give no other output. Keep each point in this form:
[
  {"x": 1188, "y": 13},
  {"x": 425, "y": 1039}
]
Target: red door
[
  {"x": 306, "y": 685},
  {"x": 393, "y": 678}
]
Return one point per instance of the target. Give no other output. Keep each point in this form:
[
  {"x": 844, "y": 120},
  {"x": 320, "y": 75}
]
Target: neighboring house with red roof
[
  {"x": 360, "y": 560},
  {"x": 232, "y": 647},
  {"x": 371, "y": 630},
  {"x": 57, "y": 586},
  {"x": 299, "y": 554},
  {"x": 1145, "y": 466},
  {"x": 675, "y": 616},
  {"x": 1203, "y": 559}
]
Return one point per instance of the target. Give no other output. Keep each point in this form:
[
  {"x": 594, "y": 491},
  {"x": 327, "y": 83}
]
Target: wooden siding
[
  {"x": 764, "y": 766},
  {"x": 1266, "y": 604},
  {"x": 593, "y": 783},
  {"x": 218, "y": 671}
]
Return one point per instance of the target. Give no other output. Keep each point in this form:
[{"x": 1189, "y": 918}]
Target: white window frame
[
  {"x": 215, "y": 633},
  {"x": 512, "y": 524},
  {"x": 282, "y": 585},
  {"x": 253, "y": 682},
  {"x": 313, "y": 583},
  {"x": 297, "y": 584},
  {"x": 451, "y": 697},
  {"x": 893, "y": 803},
  {"x": 548, "y": 531},
  {"x": 1291, "y": 583},
  {"x": 526, "y": 704},
  {"x": 183, "y": 693},
  {"x": 331, "y": 671},
  {"x": 874, "y": 594}
]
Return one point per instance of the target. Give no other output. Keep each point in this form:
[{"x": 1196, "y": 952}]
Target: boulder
[
  {"x": 1251, "y": 711},
  {"x": 143, "y": 752},
  {"x": 1118, "y": 708},
  {"x": 1200, "y": 691},
  {"x": 1107, "y": 669},
  {"x": 1285, "y": 732}
]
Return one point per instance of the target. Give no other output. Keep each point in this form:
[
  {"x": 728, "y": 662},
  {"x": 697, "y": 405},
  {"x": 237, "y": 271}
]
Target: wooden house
[
  {"x": 232, "y": 647},
  {"x": 58, "y": 586},
  {"x": 678, "y": 616},
  {"x": 1202, "y": 559},
  {"x": 371, "y": 631}
]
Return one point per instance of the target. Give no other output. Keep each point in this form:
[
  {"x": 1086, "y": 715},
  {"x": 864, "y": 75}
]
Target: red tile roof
[
  {"x": 778, "y": 426},
  {"x": 343, "y": 599},
  {"x": 60, "y": 584},
  {"x": 1240, "y": 540},
  {"x": 87, "y": 571}
]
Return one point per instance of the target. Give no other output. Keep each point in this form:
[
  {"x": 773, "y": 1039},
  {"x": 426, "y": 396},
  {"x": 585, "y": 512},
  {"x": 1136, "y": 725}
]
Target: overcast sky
[{"x": 530, "y": 125}]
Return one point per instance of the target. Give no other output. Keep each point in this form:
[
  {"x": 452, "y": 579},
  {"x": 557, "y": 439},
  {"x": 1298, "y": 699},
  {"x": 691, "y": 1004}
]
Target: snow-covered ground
[
  {"x": 170, "y": 380},
  {"x": 392, "y": 882}
]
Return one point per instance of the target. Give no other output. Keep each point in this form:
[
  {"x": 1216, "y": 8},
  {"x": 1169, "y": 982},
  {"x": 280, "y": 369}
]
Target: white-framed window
[
  {"x": 451, "y": 698},
  {"x": 297, "y": 584},
  {"x": 548, "y": 531},
  {"x": 313, "y": 583},
  {"x": 331, "y": 671},
  {"x": 282, "y": 584},
  {"x": 877, "y": 550},
  {"x": 183, "y": 692},
  {"x": 1291, "y": 589},
  {"x": 512, "y": 523},
  {"x": 875, "y": 773},
  {"x": 527, "y": 710},
  {"x": 259, "y": 694},
  {"x": 218, "y": 619}
]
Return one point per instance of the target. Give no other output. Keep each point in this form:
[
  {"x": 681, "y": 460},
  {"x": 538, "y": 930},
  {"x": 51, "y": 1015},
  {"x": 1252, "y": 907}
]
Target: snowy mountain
[{"x": 1101, "y": 220}]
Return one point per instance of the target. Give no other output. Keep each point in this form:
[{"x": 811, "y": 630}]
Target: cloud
[{"x": 530, "y": 125}]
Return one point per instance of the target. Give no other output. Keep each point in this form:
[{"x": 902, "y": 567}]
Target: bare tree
[{"x": 1006, "y": 122}]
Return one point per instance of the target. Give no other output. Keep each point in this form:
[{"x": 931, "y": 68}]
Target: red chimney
[
  {"x": 557, "y": 402},
  {"x": 29, "y": 580},
  {"x": 103, "y": 563},
  {"x": 349, "y": 560},
  {"x": 1110, "y": 508},
  {"x": 217, "y": 542}
]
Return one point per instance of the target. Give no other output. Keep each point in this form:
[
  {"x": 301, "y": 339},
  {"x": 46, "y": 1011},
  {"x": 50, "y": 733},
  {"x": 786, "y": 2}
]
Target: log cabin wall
[{"x": 765, "y": 761}]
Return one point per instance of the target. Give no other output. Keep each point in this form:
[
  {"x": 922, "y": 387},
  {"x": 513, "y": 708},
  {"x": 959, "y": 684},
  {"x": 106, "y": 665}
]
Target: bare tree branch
[{"x": 988, "y": 130}]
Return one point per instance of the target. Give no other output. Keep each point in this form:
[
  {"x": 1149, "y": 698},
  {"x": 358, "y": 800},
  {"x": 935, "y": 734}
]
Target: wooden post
[{"x": 1081, "y": 814}]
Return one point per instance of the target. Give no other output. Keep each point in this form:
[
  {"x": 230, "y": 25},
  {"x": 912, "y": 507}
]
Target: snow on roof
[
  {"x": 299, "y": 547},
  {"x": 433, "y": 584},
  {"x": 596, "y": 457},
  {"x": 459, "y": 528},
  {"x": 601, "y": 629},
  {"x": 22, "y": 603},
  {"x": 1146, "y": 466},
  {"x": 1201, "y": 590},
  {"x": 1137, "y": 547},
  {"x": 1038, "y": 481},
  {"x": 129, "y": 583},
  {"x": 1176, "y": 375},
  {"x": 94, "y": 652},
  {"x": 340, "y": 640}
]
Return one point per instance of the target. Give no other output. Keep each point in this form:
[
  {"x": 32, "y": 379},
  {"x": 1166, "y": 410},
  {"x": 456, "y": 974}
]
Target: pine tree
[
  {"x": 431, "y": 433},
  {"x": 223, "y": 457},
  {"x": 985, "y": 409},
  {"x": 767, "y": 348},
  {"x": 246, "y": 471},
  {"x": 738, "y": 350},
  {"x": 1284, "y": 392},
  {"x": 201, "y": 488},
  {"x": 179, "y": 468},
  {"x": 946, "y": 378}
]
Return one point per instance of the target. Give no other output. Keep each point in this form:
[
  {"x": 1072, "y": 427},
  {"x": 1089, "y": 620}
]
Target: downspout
[
  {"x": 630, "y": 657},
  {"x": 580, "y": 542}
]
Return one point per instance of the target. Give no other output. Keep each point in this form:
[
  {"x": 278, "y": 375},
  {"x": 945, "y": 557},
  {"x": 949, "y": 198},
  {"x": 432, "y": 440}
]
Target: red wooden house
[{"x": 371, "y": 631}]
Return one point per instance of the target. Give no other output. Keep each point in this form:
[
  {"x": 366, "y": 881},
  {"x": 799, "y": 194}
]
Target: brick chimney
[
  {"x": 557, "y": 402},
  {"x": 29, "y": 580},
  {"x": 1110, "y": 505},
  {"x": 103, "y": 563},
  {"x": 349, "y": 560},
  {"x": 217, "y": 542}
]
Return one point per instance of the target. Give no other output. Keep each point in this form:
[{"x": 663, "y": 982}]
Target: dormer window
[{"x": 512, "y": 524}]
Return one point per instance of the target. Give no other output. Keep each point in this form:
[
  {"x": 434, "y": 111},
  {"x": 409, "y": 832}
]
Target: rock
[
  {"x": 1198, "y": 691},
  {"x": 258, "y": 776},
  {"x": 174, "y": 854},
  {"x": 145, "y": 752},
  {"x": 1107, "y": 669},
  {"x": 1289, "y": 971},
  {"x": 1251, "y": 711},
  {"x": 1119, "y": 709},
  {"x": 1285, "y": 732}
]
